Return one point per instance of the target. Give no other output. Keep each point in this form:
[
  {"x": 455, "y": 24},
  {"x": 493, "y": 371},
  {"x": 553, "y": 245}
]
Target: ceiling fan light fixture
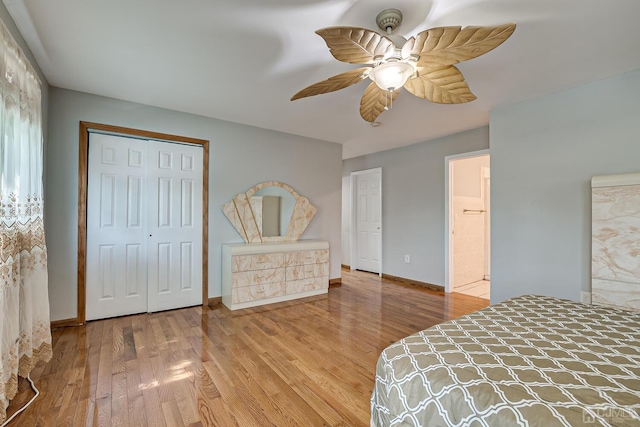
[
  {"x": 424, "y": 65},
  {"x": 391, "y": 75}
]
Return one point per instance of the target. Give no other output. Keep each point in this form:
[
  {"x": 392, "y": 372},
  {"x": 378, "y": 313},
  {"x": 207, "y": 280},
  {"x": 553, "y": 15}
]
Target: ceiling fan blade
[
  {"x": 334, "y": 83},
  {"x": 355, "y": 45},
  {"x": 374, "y": 100},
  {"x": 407, "y": 48},
  {"x": 450, "y": 45},
  {"x": 443, "y": 84}
]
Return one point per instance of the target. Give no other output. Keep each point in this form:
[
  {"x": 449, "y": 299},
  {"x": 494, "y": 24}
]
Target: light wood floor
[{"x": 309, "y": 363}]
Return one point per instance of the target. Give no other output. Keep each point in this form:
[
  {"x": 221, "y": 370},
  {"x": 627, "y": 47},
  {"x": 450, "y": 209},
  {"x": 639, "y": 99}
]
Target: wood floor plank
[
  {"x": 119, "y": 401},
  {"x": 134, "y": 393},
  {"x": 307, "y": 362},
  {"x": 103, "y": 386},
  {"x": 228, "y": 396},
  {"x": 186, "y": 398},
  {"x": 171, "y": 414},
  {"x": 103, "y": 411},
  {"x": 137, "y": 415},
  {"x": 118, "y": 348},
  {"x": 69, "y": 396},
  {"x": 296, "y": 382},
  {"x": 83, "y": 414}
]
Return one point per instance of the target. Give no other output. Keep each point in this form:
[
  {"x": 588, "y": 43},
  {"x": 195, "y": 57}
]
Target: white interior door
[
  {"x": 175, "y": 225},
  {"x": 144, "y": 226},
  {"x": 368, "y": 212}
]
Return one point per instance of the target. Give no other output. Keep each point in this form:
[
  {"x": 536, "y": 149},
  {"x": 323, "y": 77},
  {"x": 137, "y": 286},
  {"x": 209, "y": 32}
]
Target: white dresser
[
  {"x": 256, "y": 274},
  {"x": 615, "y": 233}
]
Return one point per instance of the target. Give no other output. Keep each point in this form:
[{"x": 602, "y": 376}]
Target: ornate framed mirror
[{"x": 270, "y": 211}]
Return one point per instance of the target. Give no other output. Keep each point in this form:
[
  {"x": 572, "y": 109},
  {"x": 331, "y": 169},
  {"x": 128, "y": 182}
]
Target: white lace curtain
[{"x": 25, "y": 336}]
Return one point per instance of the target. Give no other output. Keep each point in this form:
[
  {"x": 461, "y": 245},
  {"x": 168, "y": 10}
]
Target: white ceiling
[{"x": 242, "y": 60}]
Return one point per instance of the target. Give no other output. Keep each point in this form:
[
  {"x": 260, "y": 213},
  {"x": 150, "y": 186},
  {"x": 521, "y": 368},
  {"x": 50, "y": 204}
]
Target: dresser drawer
[
  {"x": 258, "y": 292},
  {"x": 257, "y": 277},
  {"x": 306, "y": 285},
  {"x": 307, "y": 271},
  {"x": 306, "y": 257},
  {"x": 256, "y": 261}
]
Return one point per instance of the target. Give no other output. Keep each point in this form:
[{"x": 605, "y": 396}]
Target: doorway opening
[{"x": 468, "y": 224}]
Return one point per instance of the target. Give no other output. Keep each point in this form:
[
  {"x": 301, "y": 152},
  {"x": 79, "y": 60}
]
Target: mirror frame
[{"x": 239, "y": 213}]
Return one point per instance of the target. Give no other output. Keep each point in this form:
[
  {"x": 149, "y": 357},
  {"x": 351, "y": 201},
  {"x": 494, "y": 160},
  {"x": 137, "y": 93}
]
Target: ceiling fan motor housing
[{"x": 389, "y": 19}]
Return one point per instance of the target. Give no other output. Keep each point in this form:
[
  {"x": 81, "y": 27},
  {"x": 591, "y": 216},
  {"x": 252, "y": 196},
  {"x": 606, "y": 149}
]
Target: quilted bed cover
[{"x": 529, "y": 361}]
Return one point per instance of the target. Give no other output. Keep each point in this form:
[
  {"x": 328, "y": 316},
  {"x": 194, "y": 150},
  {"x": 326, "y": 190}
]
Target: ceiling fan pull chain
[{"x": 388, "y": 100}]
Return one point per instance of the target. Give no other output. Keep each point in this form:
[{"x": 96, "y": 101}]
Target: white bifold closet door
[{"x": 144, "y": 226}]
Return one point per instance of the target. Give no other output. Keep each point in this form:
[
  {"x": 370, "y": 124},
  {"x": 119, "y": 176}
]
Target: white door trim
[
  {"x": 448, "y": 210},
  {"x": 354, "y": 201},
  {"x": 486, "y": 187}
]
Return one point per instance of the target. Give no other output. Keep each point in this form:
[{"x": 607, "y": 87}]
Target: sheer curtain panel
[{"x": 25, "y": 336}]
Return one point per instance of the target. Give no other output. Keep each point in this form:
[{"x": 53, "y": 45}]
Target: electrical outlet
[
  {"x": 407, "y": 259},
  {"x": 585, "y": 297}
]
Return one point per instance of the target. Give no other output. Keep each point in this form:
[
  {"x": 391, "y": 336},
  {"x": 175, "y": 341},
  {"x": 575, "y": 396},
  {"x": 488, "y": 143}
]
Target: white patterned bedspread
[{"x": 529, "y": 361}]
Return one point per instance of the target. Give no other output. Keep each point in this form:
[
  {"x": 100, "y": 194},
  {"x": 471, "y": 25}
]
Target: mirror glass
[{"x": 272, "y": 208}]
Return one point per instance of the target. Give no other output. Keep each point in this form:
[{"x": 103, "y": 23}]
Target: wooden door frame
[
  {"x": 353, "y": 246},
  {"x": 83, "y": 176}
]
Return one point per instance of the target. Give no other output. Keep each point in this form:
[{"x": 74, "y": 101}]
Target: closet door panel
[
  {"x": 175, "y": 225},
  {"x": 116, "y": 242}
]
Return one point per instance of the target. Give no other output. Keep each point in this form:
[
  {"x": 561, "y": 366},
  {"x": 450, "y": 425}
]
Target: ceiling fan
[{"x": 423, "y": 64}]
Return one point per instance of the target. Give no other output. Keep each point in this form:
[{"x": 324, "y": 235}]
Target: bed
[{"x": 531, "y": 361}]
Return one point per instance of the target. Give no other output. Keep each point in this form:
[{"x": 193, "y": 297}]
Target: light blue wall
[
  {"x": 413, "y": 203},
  {"x": 543, "y": 155},
  {"x": 240, "y": 157}
]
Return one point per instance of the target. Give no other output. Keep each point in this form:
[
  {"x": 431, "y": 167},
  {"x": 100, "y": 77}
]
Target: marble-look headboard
[
  {"x": 243, "y": 219},
  {"x": 615, "y": 237}
]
